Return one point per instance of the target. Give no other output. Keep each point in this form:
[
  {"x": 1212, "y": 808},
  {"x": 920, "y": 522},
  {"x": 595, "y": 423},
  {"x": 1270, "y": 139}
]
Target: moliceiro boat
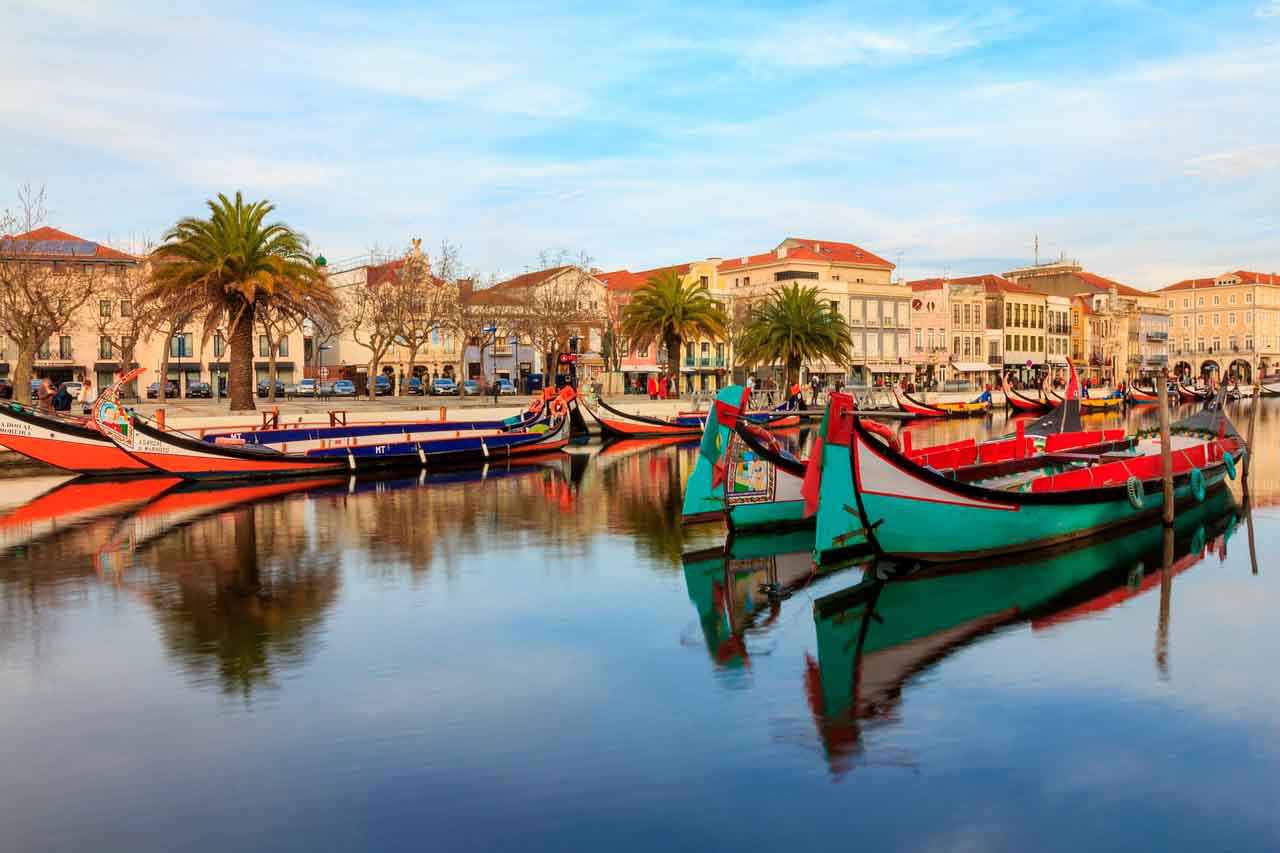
[
  {"x": 1020, "y": 402},
  {"x": 1137, "y": 396},
  {"x": 71, "y": 444},
  {"x": 616, "y": 424},
  {"x": 911, "y": 509},
  {"x": 1093, "y": 405},
  {"x": 979, "y": 406},
  {"x": 187, "y": 456}
]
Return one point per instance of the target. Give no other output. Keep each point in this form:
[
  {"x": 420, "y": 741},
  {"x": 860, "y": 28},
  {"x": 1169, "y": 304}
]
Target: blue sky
[{"x": 1143, "y": 139}]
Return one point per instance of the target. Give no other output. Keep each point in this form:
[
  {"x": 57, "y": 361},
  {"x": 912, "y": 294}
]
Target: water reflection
[{"x": 875, "y": 638}]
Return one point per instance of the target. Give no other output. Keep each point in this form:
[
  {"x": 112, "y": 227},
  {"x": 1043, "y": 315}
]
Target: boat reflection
[
  {"x": 240, "y": 576},
  {"x": 738, "y": 589},
  {"x": 875, "y": 637}
]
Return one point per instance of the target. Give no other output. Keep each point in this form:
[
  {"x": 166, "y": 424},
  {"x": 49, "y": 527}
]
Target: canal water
[{"x": 542, "y": 659}]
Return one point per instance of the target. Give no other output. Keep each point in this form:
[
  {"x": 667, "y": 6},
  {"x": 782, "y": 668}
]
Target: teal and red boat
[{"x": 911, "y": 509}]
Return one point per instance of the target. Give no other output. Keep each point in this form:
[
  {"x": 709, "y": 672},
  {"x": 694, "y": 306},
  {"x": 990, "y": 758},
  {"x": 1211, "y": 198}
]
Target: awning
[
  {"x": 219, "y": 365},
  {"x": 1060, "y": 360},
  {"x": 280, "y": 365},
  {"x": 185, "y": 367},
  {"x": 973, "y": 366}
]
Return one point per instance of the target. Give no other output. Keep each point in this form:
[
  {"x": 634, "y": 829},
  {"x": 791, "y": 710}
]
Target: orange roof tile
[
  {"x": 1245, "y": 276},
  {"x": 810, "y": 250},
  {"x": 1105, "y": 284},
  {"x": 623, "y": 280},
  {"x": 46, "y": 233}
]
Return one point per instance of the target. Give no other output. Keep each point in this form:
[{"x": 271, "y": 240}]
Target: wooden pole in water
[
  {"x": 1166, "y": 603},
  {"x": 1166, "y": 447},
  {"x": 1254, "y": 414}
]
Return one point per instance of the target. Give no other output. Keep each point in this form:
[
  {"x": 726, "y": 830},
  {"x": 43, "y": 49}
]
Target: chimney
[
  {"x": 744, "y": 259},
  {"x": 465, "y": 286},
  {"x": 781, "y": 251},
  {"x": 817, "y": 247}
]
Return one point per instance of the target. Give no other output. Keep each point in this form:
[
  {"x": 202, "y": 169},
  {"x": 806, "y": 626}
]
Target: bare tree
[
  {"x": 40, "y": 289},
  {"x": 371, "y": 313},
  {"x": 170, "y": 323},
  {"x": 277, "y": 323},
  {"x": 558, "y": 309},
  {"x": 425, "y": 299}
]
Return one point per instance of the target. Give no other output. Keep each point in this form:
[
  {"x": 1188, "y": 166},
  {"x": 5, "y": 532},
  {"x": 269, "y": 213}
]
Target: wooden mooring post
[
  {"x": 1166, "y": 447},
  {"x": 1254, "y": 414}
]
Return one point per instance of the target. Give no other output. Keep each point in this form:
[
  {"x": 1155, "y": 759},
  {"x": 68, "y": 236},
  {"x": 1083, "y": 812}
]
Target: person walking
[
  {"x": 44, "y": 397},
  {"x": 62, "y": 399},
  {"x": 653, "y": 388},
  {"x": 86, "y": 397}
]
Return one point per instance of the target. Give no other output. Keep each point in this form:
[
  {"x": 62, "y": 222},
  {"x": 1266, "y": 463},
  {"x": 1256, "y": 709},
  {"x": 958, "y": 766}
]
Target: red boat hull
[{"x": 68, "y": 446}]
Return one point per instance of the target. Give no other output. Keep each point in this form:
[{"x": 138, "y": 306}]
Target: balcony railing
[
  {"x": 688, "y": 361},
  {"x": 719, "y": 361},
  {"x": 1157, "y": 336},
  {"x": 705, "y": 361}
]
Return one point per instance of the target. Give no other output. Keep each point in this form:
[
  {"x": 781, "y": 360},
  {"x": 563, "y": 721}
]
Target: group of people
[
  {"x": 50, "y": 400},
  {"x": 657, "y": 388}
]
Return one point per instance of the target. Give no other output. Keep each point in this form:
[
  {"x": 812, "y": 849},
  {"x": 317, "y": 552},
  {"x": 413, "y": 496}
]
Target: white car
[{"x": 307, "y": 388}]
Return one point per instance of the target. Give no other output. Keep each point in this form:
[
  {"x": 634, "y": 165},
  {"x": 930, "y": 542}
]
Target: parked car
[
  {"x": 533, "y": 383},
  {"x": 470, "y": 388},
  {"x": 199, "y": 389},
  {"x": 263, "y": 386},
  {"x": 443, "y": 386},
  {"x": 6, "y": 389},
  {"x": 307, "y": 388},
  {"x": 170, "y": 390},
  {"x": 415, "y": 385},
  {"x": 382, "y": 385},
  {"x": 505, "y": 387},
  {"x": 343, "y": 388}
]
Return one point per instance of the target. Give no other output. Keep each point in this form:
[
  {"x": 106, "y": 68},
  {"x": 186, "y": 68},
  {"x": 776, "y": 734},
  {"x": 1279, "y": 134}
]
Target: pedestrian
[
  {"x": 44, "y": 397},
  {"x": 62, "y": 399},
  {"x": 86, "y": 396},
  {"x": 653, "y": 388}
]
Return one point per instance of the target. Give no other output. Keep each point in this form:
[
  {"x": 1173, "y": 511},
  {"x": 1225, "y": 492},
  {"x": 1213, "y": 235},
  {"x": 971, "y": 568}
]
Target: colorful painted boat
[
  {"x": 1137, "y": 396},
  {"x": 1022, "y": 403},
  {"x": 1094, "y": 405},
  {"x": 186, "y": 456},
  {"x": 1270, "y": 388},
  {"x": 912, "y": 510},
  {"x": 67, "y": 443},
  {"x": 911, "y": 405},
  {"x": 615, "y": 424},
  {"x": 877, "y": 637},
  {"x": 1189, "y": 394}
]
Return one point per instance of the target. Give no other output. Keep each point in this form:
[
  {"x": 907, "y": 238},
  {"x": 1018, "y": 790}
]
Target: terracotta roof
[
  {"x": 529, "y": 279},
  {"x": 991, "y": 282},
  {"x": 998, "y": 284},
  {"x": 1105, "y": 284},
  {"x": 1245, "y": 276},
  {"x": 624, "y": 280},
  {"x": 926, "y": 284},
  {"x": 47, "y": 234},
  {"x": 801, "y": 249}
]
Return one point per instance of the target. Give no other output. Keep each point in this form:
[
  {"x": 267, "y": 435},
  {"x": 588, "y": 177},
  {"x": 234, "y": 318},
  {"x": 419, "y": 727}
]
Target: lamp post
[{"x": 492, "y": 331}]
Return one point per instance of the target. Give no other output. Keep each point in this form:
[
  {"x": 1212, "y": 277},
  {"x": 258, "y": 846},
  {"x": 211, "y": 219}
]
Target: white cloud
[
  {"x": 1268, "y": 10},
  {"x": 1236, "y": 163}
]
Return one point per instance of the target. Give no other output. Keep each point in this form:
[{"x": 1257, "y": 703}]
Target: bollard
[
  {"x": 443, "y": 413},
  {"x": 160, "y": 418},
  {"x": 1166, "y": 446}
]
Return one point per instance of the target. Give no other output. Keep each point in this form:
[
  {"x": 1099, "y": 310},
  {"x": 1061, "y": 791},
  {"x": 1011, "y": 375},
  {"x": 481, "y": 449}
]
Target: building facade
[{"x": 1227, "y": 325}]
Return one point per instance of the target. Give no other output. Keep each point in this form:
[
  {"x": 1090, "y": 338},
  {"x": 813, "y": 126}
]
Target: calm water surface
[{"x": 543, "y": 660}]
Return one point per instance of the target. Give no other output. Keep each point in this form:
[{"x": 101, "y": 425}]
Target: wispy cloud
[{"x": 1270, "y": 9}]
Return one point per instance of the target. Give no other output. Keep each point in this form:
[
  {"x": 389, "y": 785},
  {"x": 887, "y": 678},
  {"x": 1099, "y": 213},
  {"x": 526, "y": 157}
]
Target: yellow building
[{"x": 1225, "y": 325}]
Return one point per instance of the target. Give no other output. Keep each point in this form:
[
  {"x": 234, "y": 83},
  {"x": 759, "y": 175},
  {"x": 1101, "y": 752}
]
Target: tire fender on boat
[
  {"x": 884, "y": 432},
  {"x": 1197, "y": 484},
  {"x": 1133, "y": 486},
  {"x": 1229, "y": 461}
]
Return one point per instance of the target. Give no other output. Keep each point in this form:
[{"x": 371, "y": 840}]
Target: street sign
[
  {"x": 324, "y": 347},
  {"x": 1030, "y": 363},
  {"x": 490, "y": 330}
]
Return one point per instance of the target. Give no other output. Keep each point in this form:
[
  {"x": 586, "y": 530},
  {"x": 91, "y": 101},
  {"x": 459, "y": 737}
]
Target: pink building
[
  {"x": 929, "y": 328},
  {"x": 638, "y": 363}
]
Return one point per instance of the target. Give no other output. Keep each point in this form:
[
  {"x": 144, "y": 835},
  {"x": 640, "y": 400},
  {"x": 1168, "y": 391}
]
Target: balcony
[
  {"x": 688, "y": 361},
  {"x": 719, "y": 361},
  {"x": 1157, "y": 336},
  {"x": 705, "y": 361}
]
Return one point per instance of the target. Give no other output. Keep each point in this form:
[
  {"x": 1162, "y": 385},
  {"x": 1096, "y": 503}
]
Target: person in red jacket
[{"x": 653, "y": 388}]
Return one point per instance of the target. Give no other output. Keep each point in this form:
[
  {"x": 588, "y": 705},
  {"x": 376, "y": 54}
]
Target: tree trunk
[
  {"x": 164, "y": 366},
  {"x": 793, "y": 373},
  {"x": 240, "y": 376},
  {"x": 371, "y": 384},
  {"x": 403, "y": 389},
  {"x": 22, "y": 375},
  {"x": 673, "y": 344}
]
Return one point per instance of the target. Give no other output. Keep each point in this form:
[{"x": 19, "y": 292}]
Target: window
[
  {"x": 702, "y": 280},
  {"x": 1248, "y": 297},
  {"x": 64, "y": 347},
  {"x": 1248, "y": 343},
  {"x": 932, "y": 341},
  {"x": 1199, "y": 319},
  {"x": 1231, "y": 299},
  {"x": 955, "y": 315},
  {"x": 284, "y": 346},
  {"x": 720, "y": 352},
  {"x": 706, "y": 348},
  {"x": 857, "y": 310},
  {"x": 1008, "y": 342},
  {"x": 1008, "y": 314},
  {"x": 1169, "y": 304},
  {"x": 219, "y": 345},
  {"x": 264, "y": 346},
  {"x": 955, "y": 345},
  {"x": 1216, "y": 299},
  {"x": 180, "y": 345},
  {"x": 1217, "y": 344},
  {"x": 126, "y": 307},
  {"x": 834, "y": 306},
  {"x": 1186, "y": 322},
  {"x": 1186, "y": 303},
  {"x": 1248, "y": 317},
  {"x": 746, "y": 281},
  {"x": 1231, "y": 318},
  {"x": 104, "y": 309},
  {"x": 919, "y": 338},
  {"x": 1200, "y": 301},
  {"x": 1216, "y": 318},
  {"x": 835, "y": 276},
  {"x": 967, "y": 344},
  {"x": 104, "y": 347},
  {"x": 1231, "y": 343}
]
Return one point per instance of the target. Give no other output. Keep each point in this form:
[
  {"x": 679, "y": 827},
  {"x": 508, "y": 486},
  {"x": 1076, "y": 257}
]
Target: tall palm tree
[
  {"x": 668, "y": 310},
  {"x": 233, "y": 264},
  {"x": 793, "y": 326}
]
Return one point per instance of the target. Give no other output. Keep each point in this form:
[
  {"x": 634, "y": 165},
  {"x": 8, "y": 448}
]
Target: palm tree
[
  {"x": 670, "y": 311},
  {"x": 232, "y": 265},
  {"x": 793, "y": 326}
]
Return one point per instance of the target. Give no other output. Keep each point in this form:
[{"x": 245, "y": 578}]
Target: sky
[{"x": 1142, "y": 139}]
